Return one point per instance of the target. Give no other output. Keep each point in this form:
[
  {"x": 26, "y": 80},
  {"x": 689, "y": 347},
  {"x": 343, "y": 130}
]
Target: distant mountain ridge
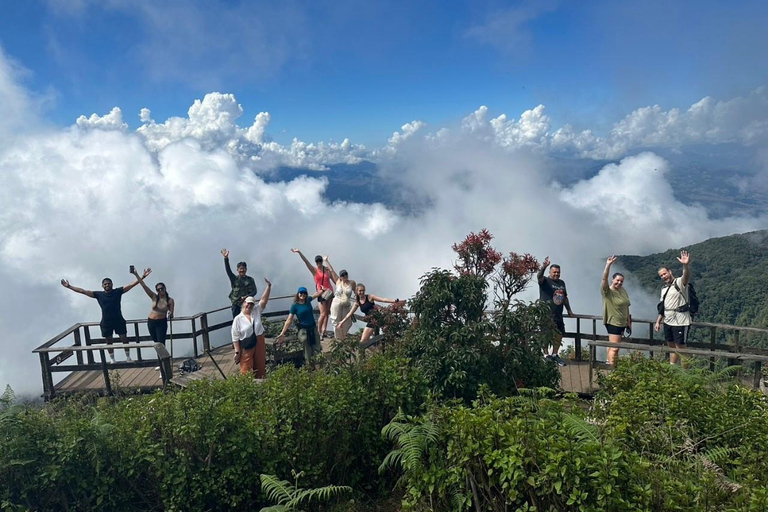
[{"x": 730, "y": 274}]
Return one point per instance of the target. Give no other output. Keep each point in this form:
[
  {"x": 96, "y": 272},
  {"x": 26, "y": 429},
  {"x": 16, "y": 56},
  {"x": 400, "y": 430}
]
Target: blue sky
[{"x": 327, "y": 70}]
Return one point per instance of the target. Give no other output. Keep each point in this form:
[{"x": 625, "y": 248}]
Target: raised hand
[
  {"x": 267, "y": 281},
  {"x": 545, "y": 263},
  {"x": 295, "y": 250},
  {"x": 65, "y": 283},
  {"x": 225, "y": 253},
  {"x": 147, "y": 271},
  {"x": 610, "y": 260},
  {"x": 684, "y": 258},
  {"x": 325, "y": 257}
]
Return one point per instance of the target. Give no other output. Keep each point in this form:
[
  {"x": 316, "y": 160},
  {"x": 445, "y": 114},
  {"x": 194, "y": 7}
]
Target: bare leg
[
  {"x": 673, "y": 357},
  {"x": 556, "y": 343},
  {"x": 108, "y": 340},
  {"x": 322, "y": 321},
  {"x": 613, "y": 352},
  {"x": 124, "y": 339}
]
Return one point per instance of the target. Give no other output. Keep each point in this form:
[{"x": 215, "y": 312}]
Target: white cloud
[
  {"x": 507, "y": 29},
  {"x": 83, "y": 203},
  {"x": 111, "y": 121}
]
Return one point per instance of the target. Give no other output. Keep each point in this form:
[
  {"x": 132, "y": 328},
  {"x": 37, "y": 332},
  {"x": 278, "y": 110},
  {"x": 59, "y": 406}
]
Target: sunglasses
[
  {"x": 249, "y": 304},
  {"x": 303, "y": 293},
  {"x": 161, "y": 289}
]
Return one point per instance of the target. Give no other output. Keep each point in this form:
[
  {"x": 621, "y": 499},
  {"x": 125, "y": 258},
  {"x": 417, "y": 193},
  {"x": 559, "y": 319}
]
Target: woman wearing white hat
[{"x": 248, "y": 336}]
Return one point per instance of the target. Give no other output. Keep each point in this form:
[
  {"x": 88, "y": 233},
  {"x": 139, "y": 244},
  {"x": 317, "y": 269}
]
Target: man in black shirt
[
  {"x": 242, "y": 285},
  {"x": 111, "y": 313},
  {"x": 552, "y": 290}
]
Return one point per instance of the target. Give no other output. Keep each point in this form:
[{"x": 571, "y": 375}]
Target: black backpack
[
  {"x": 188, "y": 366},
  {"x": 692, "y": 306},
  {"x": 693, "y": 300}
]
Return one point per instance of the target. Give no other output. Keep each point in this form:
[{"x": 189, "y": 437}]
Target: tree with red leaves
[
  {"x": 476, "y": 256},
  {"x": 512, "y": 277}
]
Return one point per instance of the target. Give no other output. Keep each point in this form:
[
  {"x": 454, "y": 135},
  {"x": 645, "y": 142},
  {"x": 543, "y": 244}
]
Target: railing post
[
  {"x": 758, "y": 374},
  {"x": 712, "y": 342},
  {"x": 105, "y": 371},
  {"x": 45, "y": 367},
  {"x": 577, "y": 339},
  {"x": 592, "y": 358},
  {"x": 194, "y": 335},
  {"x": 138, "y": 339},
  {"x": 650, "y": 339},
  {"x": 206, "y": 338},
  {"x": 87, "y": 333},
  {"x": 78, "y": 343}
]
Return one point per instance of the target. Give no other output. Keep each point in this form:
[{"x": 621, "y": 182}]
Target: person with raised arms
[
  {"x": 301, "y": 310},
  {"x": 248, "y": 336},
  {"x": 674, "y": 306},
  {"x": 109, "y": 300},
  {"x": 162, "y": 310},
  {"x": 616, "y": 316},
  {"x": 366, "y": 303},
  {"x": 324, "y": 281},
  {"x": 342, "y": 304},
  {"x": 552, "y": 291},
  {"x": 242, "y": 285}
]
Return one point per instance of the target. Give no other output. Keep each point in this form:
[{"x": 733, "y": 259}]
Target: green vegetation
[
  {"x": 730, "y": 275},
  {"x": 459, "y": 413}
]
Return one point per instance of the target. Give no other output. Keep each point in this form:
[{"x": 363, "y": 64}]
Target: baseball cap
[
  {"x": 250, "y": 300},
  {"x": 302, "y": 290}
]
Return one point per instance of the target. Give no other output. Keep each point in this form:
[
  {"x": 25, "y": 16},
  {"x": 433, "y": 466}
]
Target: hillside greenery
[{"x": 458, "y": 413}]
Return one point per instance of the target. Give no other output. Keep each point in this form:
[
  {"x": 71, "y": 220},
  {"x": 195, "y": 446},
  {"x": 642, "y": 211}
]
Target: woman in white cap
[{"x": 248, "y": 335}]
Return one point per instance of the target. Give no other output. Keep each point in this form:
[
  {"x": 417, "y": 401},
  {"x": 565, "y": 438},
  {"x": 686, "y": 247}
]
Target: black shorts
[
  {"x": 116, "y": 325},
  {"x": 614, "y": 329},
  {"x": 677, "y": 334},
  {"x": 558, "y": 319}
]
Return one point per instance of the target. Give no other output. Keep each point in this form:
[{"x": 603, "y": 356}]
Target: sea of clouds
[{"x": 85, "y": 201}]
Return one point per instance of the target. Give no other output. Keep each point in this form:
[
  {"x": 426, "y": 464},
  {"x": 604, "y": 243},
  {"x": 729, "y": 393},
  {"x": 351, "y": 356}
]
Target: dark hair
[
  {"x": 242, "y": 264},
  {"x": 105, "y": 280},
  {"x": 157, "y": 295},
  {"x": 318, "y": 259},
  {"x": 664, "y": 267},
  {"x": 617, "y": 274},
  {"x": 296, "y": 297},
  {"x": 554, "y": 265}
]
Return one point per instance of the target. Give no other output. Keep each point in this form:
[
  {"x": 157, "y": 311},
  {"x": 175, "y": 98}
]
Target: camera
[{"x": 132, "y": 269}]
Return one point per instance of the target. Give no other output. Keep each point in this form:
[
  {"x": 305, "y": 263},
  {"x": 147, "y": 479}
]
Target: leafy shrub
[
  {"x": 458, "y": 346},
  {"x": 204, "y": 448}
]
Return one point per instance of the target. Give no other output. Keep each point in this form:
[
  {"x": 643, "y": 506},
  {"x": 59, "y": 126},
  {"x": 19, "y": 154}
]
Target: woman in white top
[
  {"x": 248, "y": 335},
  {"x": 342, "y": 304}
]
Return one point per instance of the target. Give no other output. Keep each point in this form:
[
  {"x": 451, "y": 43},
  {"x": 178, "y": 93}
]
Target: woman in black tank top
[{"x": 366, "y": 304}]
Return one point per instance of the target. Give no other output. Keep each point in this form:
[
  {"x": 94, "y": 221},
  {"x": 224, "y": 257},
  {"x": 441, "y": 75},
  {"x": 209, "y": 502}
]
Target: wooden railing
[
  {"x": 736, "y": 337},
  {"x": 78, "y": 341},
  {"x": 197, "y": 329}
]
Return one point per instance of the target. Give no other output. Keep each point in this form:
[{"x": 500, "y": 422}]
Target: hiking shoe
[{"x": 559, "y": 360}]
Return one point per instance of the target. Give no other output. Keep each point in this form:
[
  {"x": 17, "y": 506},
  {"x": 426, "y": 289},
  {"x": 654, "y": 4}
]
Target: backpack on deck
[{"x": 188, "y": 366}]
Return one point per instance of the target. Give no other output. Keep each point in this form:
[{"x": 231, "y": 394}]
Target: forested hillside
[{"x": 730, "y": 275}]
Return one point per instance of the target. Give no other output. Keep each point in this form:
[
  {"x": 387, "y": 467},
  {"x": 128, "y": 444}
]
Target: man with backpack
[{"x": 678, "y": 303}]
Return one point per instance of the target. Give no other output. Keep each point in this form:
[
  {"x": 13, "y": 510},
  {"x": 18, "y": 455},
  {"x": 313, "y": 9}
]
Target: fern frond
[
  {"x": 580, "y": 429},
  {"x": 281, "y": 491},
  {"x": 326, "y": 493}
]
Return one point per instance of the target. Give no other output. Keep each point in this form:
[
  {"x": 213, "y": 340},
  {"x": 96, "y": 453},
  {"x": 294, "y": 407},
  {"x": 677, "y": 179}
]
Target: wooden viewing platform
[{"x": 194, "y": 338}]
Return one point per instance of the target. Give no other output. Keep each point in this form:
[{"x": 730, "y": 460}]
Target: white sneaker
[
  {"x": 128, "y": 359},
  {"x": 112, "y": 360}
]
